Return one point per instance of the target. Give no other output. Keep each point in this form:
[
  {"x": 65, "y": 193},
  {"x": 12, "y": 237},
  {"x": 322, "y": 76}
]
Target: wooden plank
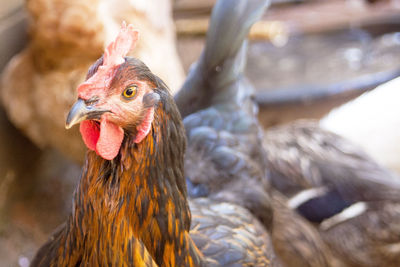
[{"x": 273, "y": 31}]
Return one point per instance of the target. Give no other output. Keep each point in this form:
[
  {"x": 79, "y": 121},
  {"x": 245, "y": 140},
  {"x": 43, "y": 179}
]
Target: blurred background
[{"x": 306, "y": 58}]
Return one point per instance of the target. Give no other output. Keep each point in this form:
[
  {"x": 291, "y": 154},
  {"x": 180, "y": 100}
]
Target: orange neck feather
[{"x": 139, "y": 196}]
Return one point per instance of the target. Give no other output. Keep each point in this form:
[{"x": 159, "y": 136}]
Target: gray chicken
[{"x": 225, "y": 158}]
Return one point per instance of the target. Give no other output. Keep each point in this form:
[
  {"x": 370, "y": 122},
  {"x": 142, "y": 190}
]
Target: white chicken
[{"x": 373, "y": 122}]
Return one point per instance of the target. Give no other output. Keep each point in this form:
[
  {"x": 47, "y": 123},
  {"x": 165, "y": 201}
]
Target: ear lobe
[
  {"x": 144, "y": 128},
  {"x": 150, "y": 100}
]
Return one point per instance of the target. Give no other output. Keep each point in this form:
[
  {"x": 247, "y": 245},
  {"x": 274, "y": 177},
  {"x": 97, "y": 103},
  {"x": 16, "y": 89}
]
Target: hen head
[{"x": 118, "y": 97}]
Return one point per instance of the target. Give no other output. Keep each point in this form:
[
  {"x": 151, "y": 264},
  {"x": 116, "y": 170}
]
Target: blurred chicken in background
[{"x": 373, "y": 122}]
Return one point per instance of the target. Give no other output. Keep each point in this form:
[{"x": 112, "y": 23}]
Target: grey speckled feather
[{"x": 229, "y": 234}]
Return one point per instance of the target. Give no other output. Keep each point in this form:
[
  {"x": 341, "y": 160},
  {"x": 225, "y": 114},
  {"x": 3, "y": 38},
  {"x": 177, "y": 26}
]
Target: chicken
[
  {"x": 353, "y": 201},
  {"x": 372, "y": 122},
  {"x": 131, "y": 205},
  {"x": 224, "y": 137},
  {"x": 39, "y": 84}
]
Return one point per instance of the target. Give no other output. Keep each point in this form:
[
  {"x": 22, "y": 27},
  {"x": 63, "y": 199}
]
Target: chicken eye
[{"x": 129, "y": 92}]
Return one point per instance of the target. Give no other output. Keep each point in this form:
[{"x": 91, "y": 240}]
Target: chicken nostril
[{"x": 92, "y": 100}]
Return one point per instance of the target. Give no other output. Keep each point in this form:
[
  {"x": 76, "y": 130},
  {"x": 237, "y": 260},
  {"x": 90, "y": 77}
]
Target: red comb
[
  {"x": 113, "y": 57},
  {"x": 116, "y": 51}
]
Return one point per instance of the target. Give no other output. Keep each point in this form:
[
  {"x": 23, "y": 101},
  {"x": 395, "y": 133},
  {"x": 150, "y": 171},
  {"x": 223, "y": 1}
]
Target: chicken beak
[
  {"x": 80, "y": 111},
  {"x": 77, "y": 113}
]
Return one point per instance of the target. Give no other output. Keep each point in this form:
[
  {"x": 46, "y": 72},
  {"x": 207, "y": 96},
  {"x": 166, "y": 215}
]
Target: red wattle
[
  {"x": 90, "y": 132},
  {"x": 105, "y": 139},
  {"x": 110, "y": 140}
]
